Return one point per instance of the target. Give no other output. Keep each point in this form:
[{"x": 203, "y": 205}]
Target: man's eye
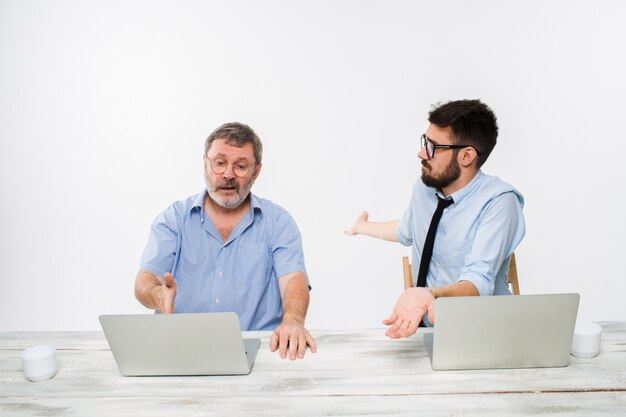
[
  {"x": 241, "y": 167},
  {"x": 221, "y": 163}
]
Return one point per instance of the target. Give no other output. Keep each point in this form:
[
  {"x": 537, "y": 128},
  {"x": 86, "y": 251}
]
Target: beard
[
  {"x": 450, "y": 174},
  {"x": 232, "y": 202}
]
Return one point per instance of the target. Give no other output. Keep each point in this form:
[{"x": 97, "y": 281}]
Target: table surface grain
[{"x": 354, "y": 373}]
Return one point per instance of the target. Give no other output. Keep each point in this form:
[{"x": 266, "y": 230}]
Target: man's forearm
[
  {"x": 146, "y": 284},
  {"x": 295, "y": 298},
  {"x": 458, "y": 289},
  {"x": 380, "y": 230}
]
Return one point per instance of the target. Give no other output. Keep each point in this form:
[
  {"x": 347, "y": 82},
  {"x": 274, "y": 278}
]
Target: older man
[{"x": 226, "y": 249}]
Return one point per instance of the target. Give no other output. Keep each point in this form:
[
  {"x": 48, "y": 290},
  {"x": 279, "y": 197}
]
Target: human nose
[
  {"x": 229, "y": 172},
  {"x": 422, "y": 154}
]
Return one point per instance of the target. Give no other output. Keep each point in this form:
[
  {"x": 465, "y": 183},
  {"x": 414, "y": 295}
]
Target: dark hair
[
  {"x": 472, "y": 122},
  {"x": 236, "y": 134}
]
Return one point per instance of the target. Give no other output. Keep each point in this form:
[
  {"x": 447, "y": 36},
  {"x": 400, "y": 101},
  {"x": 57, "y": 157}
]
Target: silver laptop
[
  {"x": 179, "y": 344},
  {"x": 519, "y": 331}
]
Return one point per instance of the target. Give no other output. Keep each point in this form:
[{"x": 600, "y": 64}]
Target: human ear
[
  {"x": 467, "y": 156},
  {"x": 257, "y": 171}
]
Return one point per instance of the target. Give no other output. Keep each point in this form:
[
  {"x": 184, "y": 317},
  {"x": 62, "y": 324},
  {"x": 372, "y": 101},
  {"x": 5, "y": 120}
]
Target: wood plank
[
  {"x": 354, "y": 373},
  {"x": 510, "y": 405}
]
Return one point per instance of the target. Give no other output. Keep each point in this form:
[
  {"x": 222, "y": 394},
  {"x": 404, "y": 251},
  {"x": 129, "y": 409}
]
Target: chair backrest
[
  {"x": 513, "y": 276},
  {"x": 513, "y": 281}
]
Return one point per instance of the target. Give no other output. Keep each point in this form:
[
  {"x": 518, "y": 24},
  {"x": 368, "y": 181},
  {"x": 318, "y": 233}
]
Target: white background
[{"x": 105, "y": 105}]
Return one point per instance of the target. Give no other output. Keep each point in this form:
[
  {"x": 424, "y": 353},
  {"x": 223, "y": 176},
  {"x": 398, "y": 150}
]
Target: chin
[{"x": 228, "y": 203}]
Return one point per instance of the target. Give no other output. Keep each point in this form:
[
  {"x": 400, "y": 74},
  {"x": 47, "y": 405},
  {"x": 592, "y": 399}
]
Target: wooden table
[{"x": 357, "y": 372}]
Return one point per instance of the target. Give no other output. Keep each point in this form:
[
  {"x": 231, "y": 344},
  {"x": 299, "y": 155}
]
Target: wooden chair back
[{"x": 513, "y": 279}]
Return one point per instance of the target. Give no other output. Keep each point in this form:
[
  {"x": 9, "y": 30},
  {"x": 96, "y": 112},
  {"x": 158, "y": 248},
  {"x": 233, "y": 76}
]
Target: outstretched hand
[
  {"x": 409, "y": 311},
  {"x": 165, "y": 294},
  {"x": 356, "y": 227}
]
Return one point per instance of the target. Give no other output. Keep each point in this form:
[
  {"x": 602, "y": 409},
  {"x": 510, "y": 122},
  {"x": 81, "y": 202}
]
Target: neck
[{"x": 465, "y": 178}]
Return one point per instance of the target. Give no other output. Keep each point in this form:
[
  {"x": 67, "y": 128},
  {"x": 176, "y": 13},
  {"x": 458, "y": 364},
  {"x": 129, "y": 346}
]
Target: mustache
[
  {"x": 425, "y": 164},
  {"x": 228, "y": 183}
]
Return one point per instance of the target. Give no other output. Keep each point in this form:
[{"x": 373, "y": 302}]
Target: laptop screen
[{"x": 520, "y": 331}]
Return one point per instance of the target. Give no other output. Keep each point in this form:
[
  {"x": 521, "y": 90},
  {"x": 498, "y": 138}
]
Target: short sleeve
[
  {"x": 286, "y": 246},
  {"x": 160, "y": 251}
]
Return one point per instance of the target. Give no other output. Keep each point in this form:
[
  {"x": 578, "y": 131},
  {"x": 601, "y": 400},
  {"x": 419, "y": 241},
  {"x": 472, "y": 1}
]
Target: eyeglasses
[
  {"x": 219, "y": 166},
  {"x": 430, "y": 146}
]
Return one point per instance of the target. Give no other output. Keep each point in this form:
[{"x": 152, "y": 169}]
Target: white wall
[{"x": 104, "y": 107}]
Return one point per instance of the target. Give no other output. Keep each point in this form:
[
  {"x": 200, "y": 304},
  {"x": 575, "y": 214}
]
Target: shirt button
[
  {"x": 219, "y": 273},
  {"x": 217, "y": 300}
]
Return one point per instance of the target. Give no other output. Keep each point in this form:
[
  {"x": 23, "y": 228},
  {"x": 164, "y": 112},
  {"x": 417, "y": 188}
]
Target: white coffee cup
[
  {"x": 39, "y": 363},
  {"x": 586, "y": 341}
]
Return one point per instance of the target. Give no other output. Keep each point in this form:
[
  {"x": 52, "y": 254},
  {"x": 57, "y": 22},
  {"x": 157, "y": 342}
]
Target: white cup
[
  {"x": 586, "y": 341},
  {"x": 39, "y": 363}
]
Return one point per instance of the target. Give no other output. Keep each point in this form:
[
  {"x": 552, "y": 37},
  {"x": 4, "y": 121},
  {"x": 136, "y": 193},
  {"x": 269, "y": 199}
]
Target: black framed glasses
[
  {"x": 219, "y": 166},
  {"x": 431, "y": 147}
]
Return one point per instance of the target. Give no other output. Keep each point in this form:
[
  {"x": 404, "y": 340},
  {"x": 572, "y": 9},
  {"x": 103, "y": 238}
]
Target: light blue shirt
[
  {"x": 239, "y": 274},
  {"x": 476, "y": 235}
]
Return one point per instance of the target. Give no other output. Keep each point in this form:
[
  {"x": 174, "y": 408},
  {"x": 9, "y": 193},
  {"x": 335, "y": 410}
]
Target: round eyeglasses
[
  {"x": 431, "y": 147},
  {"x": 219, "y": 166}
]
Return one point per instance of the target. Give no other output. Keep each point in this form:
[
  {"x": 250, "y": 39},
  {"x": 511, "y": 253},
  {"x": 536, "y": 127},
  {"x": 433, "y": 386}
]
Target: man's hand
[
  {"x": 381, "y": 230},
  {"x": 291, "y": 336},
  {"x": 165, "y": 293},
  {"x": 409, "y": 311},
  {"x": 155, "y": 292},
  {"x": 358, "y": 224}
]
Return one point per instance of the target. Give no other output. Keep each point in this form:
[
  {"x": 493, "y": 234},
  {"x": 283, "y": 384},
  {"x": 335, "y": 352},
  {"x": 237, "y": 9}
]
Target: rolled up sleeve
[{"x": 500, "y": 230}]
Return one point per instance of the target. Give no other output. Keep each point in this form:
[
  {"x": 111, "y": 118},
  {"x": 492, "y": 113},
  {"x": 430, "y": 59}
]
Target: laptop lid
[
  {"x": 520, "y": 331},
  {"x": 179, "y": 344}
]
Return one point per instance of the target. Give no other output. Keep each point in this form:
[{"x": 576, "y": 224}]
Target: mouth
[
  {"x": 227, "y": 190},
  {"x": 228, "y": 186}
]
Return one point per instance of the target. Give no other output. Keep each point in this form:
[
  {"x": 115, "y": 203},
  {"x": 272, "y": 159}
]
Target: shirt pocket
[
  {"x": 192, "y": 281},
  {"x": 254, "y": 264},
  {"x": 192, "y": 263}
]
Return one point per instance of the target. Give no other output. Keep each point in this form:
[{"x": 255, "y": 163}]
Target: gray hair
[{"x": 236, "y": 134}]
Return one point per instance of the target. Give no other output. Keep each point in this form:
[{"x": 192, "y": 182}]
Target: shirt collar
[
  {"x": 254, "y": 202},
  {"x": 459, "y": 195},
  {"x": 198, "y": 202}
]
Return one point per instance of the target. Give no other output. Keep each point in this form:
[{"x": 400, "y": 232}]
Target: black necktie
[{"x": 427, "y": 252}]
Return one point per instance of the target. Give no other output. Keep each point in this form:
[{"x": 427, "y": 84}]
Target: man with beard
[
  {"x": 481, "y": 221},
  {"x": 226, "y": 249}
]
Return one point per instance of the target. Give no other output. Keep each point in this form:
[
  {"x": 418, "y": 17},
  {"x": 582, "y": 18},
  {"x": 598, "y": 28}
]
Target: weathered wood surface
[{"x": 359, "y": 372}]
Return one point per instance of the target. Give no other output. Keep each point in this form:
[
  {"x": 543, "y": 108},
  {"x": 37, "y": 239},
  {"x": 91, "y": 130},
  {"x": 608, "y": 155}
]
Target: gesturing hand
[
  {"x": 356, "y": 227},
  {"x": 409, "y": 311},
  {"x": 166, "y": 292}
]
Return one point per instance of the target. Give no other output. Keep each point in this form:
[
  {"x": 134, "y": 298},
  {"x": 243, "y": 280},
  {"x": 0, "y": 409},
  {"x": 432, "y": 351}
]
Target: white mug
[
  {"x": 586, "y": 341},
  {"x": 39, "y": 363}
]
